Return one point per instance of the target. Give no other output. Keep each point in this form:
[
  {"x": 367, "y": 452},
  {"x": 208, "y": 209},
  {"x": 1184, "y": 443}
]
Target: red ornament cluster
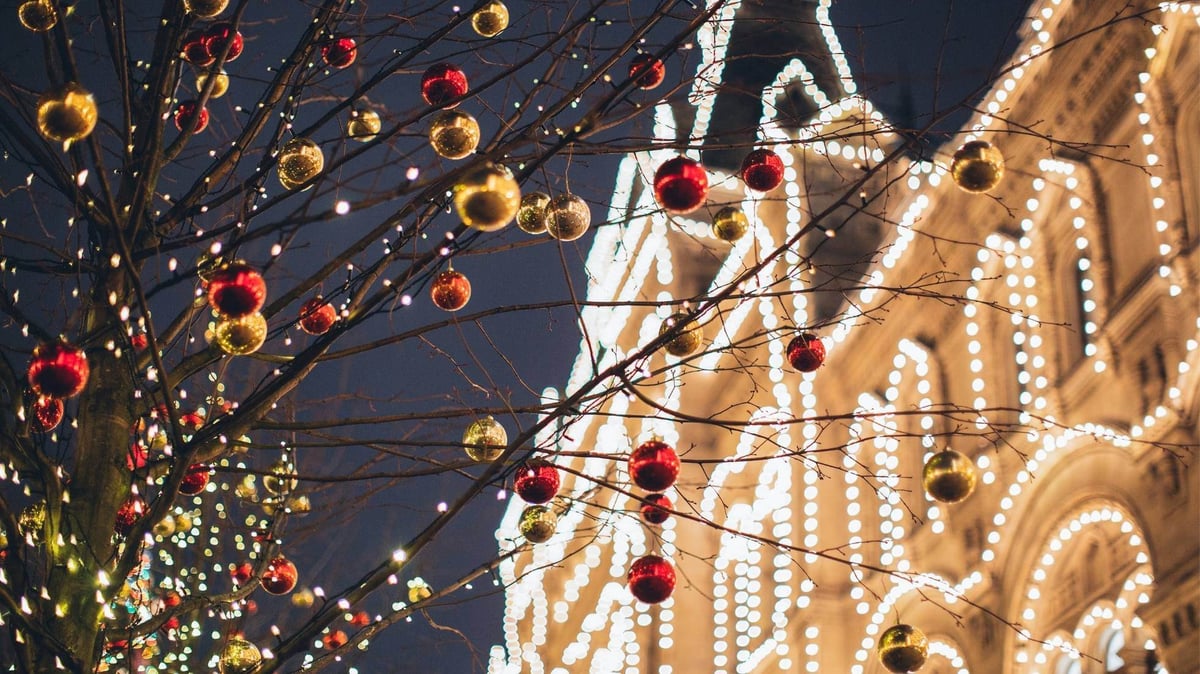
[
  {"x": 537, "y": 481},
  {"x": 202, "y": 48},
  {"x": 651, "y": 579},
  {"x": 648, "y": 71},
  {"x": 680, "y": 185},
  {"x": 188, "y": 110},
  {"x": 656, "y": 508},
  {"x": 236, "y": 290},
  {"x": 340, "y": 52},
  {"x": 762, "y": 170},
  {"x": 806, "y": 352},
  {"x": 451, "y": 290},
  {"x": 317, "y": 316},
  {"x": 280, "y": 577},
  {"x": 443, "y": 83},
  {"x": 58, "y": 370},
  {"x": 654, "y": 465}
]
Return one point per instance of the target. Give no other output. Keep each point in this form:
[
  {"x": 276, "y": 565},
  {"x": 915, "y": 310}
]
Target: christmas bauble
[
  {"x": 902, "y": 648},
  {"x": 364, "y": 125},
  {"x": 221, "y": 34},
  {"x": 485, "y": 439},
  {"x": 195, "y": 479},
  {"x": 66, "y": 113},
  {"x": 687, "y": 341},
  {"x": 299, "y": 505},
  {"x": 205, "y": 9},
  {"x": 334, "y": 640},
  {"x": 531, "y": 215},
  {"x": 305, "y": 598},
  {"x": 240, "y": 336},
  {"x": 195, "y": 50},
  {"x": 654, "y": 465},
  {"x": 454, "y": 134},
  {"x": 58, "y": 370},
  {"x": 451, "y": 290},
  {"x": 806, "y": 352},
  {"x": 648, "y": 71},
  {"x": 32, "y": 519},
  {"x": 488, "y": 198},
  {"x": 317, "y": 316},
  {"x": 47, "y": 413},
  {"x": 762, "y": 170},
  {"x": 656, "y": 508},
  {"x": 567, "y": 217},
  {"x": 239, "y": 657},
  {"x": 164, "y": 528},
  {"x": 730, "y": 224},
  {"x": 948, "y": 476},
  {"x": 300, "y": 160},
  {"x": 680, "y": 185},
  {"x": 187, "y": 111},
  {"x": 242, "y": 573},
  {"x": 443, "y": 83},
  {"x": 280, "y": 576},
  {"x": 490, "y": 19},
  {"x": 236, "y": 290},
  {"x": 38, "y": 16},
  {"x": 538, "y": 523},
  {"x": 977, "y": 166},
  {"x": 220, "y": 83},
  {"x": 128, "y": 514},
  {"x": 340, "y": 52},
  {"x": 280, "y": 477},
  {"x": 651, "y": 579},
  {"x": 536, "y": 481},
  {"x": 418, "y": 590}
]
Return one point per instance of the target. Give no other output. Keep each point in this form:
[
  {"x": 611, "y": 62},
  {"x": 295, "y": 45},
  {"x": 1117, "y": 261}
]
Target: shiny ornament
[
  {"x": 443, "y": 83},
  {"x": 305, "y": 598},
  {"x": 236, "y": 290},
  {"x": 299, "y": 505},
  {"x": 195, "y": 50},
  {"x": 538, "y": 523},
  {"x": 488, "y": 198},
  {"x": 128, "y": 514},
  {"x": 58, "y": 370},
  {"x": 948, "y": 476},
  {"x": 364, "y": 125},
  {"x": 205, "y": 9},
  {"x": 38, "y": 16},
  {"x": 762, "y": 170},
  {"x": 977, "y": 166},
  {"x": 317, "y": 316},
  {"x": 454, "y": 134},
  {"x": 240, "y": 336},
  {"x": 418, "y": 590},
  {"x": 567, "y": 217},
  {"x": 687, "y": 341},
  {"x": 334, "y": 640},
  {"x": 656, "y": 508},
  {"x": 300, "y": 161},
  {"x": 340, "y": 52},
  {"x": 651, "y": 579},
  {"x": 195, "y": 479},
  {"x": 241, "y": 573},
  {"x": 239, "y": 657},
  {"x": 280, "y": 478},
  {"x": 647, "y": 71},
  {"x": 186, "y": 112},
  {"x": 654, "y": 465},
  {"x": 490, "y": 20},
  {"x": 164, "y": 528},
  {"x": 531, "y": 215},
  {"x": 451, "y": 290},
  {"x": 221, "y": 34},
  {"x": 485, "y": 439},
  {"x": 536, "y": 481},
  {"x": 66, "y": 113},
  {"x": 280, "y": 576},
  {"x": 680, "y": 185},
  {"x": 32, "y": 519},
  {"x": 902, "y": 648},
  {"x": 730, "y": 224},
  {"x": 220, "y": 83},
  {"x": 47, "y": 413},
  {"x": 806, "y": 352}
]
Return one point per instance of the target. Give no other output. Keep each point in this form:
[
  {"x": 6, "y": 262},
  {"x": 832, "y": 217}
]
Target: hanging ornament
[
  {"x": 164, "y": 528},
  {"x": 948, "y": 476},
  {"x": 364, "y": 125},
  {"x": 280, "y": 576},
  {"x": 195, "y": 479},
  {"x": 902, "y": 648},
  {"x": 241, "y": 573},
  {"x": 730, "y": 224},
  {"x": 317, "y": 316},
  {"x": 762, "y": 170},
  {"x": 451, "y": 290},
  {"x": 806, "y": 352},
  {"x": 680, "y": 185},
  {"x": 567, "y": 217},
  {"x": 38, "y": 16},
  {"x": 239, "y": 657},
  {"x": 536, "y": 481},
  {"x": 220, "y": 83},
  {"x": 654, "y": 465},
  {"x": 240, "y": 336},
  {"x": 648, "y": 71},
  {"x": 485, "y": 439},
  {"x": 280, "y": 478},
  {"x": 531, "y": 215},
  {"x": 32, "y": 519},
  {"x": 304, "y": 598},
  {"x": 687, "y": 341},
  {"x": 66, "y": 113},
  {"x": 221, "y": 34},
  {"x": 299, "y": 505},
  {"x": 334, "y": 640},
  {"x": 977, "y": 166},
  {"x": 651, "y": 579},
  {"x": 187, "y": 111},
  {"x": 491, "y": 19},
  {"x": 300, "y": 161},
  {"x": 488, "y": 198},
  {"x": 340, "y": 52},
  {"x": 128, "y": 514},
  {"x": 538, "y": 523},
  {"x": 656, "y": 508},
  {"x": 58, "y": 370},
  {"x": 418, "y": 590},
  {"x": 195, "y": 50},
  {"x": 205, "y": 9},
  {"x": 443, "y": 83},
  {"x": 454, "y": 134},
  {"x": 47, "y": 413},
  {"x": 236, "y": 290}
]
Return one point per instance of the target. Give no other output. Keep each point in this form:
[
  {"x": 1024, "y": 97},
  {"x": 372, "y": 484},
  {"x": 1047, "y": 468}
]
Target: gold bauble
[
  {"x": 418, "y": 590},
  {"x": 538, "y": 523},
  {"x": 730, "y": 224},
  {"x": 300, "y": 160},
  {"x": 364, "y": 125},
  {"x": 246, "y": 489},
  {"x": 239, "y": 657},
  {"x": 902, "y": 648},
  {"x": 303, "y": 598},
  {"x": 948, "y": 476},
  {"x": 220, "y": 83},
  {"x": 485, "y": 439},
  {"x": 977, "y": 166},
  {"x": 488, "y": 198},
  {"x": 281, "y": 478},
  {"x": 38, "y": 16},
  {"x": 184, "y": 522},
  {"x": 454, "y": 134},
  {"x": 299, "y": 505},
  {"x": 66, "y": 113},
  {"x": 165, "y": 527},
  {"x": 568, "y": 217},
  {"x": 688, "y": 340},
  {"x": 32, "y": 519},
  {"x": 241, "y": 336},
  {"x": 491, "y": 19},
  {"x": 205, "y": 9},
  {"x": 531, "y": 215}
]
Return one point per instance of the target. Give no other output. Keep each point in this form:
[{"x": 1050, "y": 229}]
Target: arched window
[{"x": 1113, "y": 644}]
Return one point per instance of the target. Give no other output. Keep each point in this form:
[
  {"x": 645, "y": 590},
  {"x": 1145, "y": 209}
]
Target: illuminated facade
[{"x": 1065, "y": 304}]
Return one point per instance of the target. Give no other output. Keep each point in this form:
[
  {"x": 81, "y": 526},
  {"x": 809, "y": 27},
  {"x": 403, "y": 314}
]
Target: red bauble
[
  {"x": 334, "y": 640},
  {"x": 58, "y": 370},
  {"x": 340, "y": 52},
  {"x": 806, "y": 352},
  {"x": 280, "y": 576},
  {"x": 195, "y": 50},
  {"x": 442, "y": 83},
  {"x": 139, "y": 341},
  {"x": 185, "y": 112},
  {"x": 47, "y": 413},
  {"x": 654, "y": 465},
  {"x": 537, "y": 481},
  {"x": 656, "y": 508},
  {"x": 129, "y": 512},
  {"x": 194, "y": 480},
  {"x": 236, "y": 290},
  {"x": 651, "y": 579},
  {"x": 317, "y": 316},
  {"x": 360, "y": 619},
  {"x": 241, "y": 573},
  {"x": 451, "y": 290},
  {"x": 762, "y": 170},
  {"x": 216, "y": 37},
  {"x": 648, "y": 71},
  {"x": 137, "y": 457},
  {"x": 680, "y": 185}
]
